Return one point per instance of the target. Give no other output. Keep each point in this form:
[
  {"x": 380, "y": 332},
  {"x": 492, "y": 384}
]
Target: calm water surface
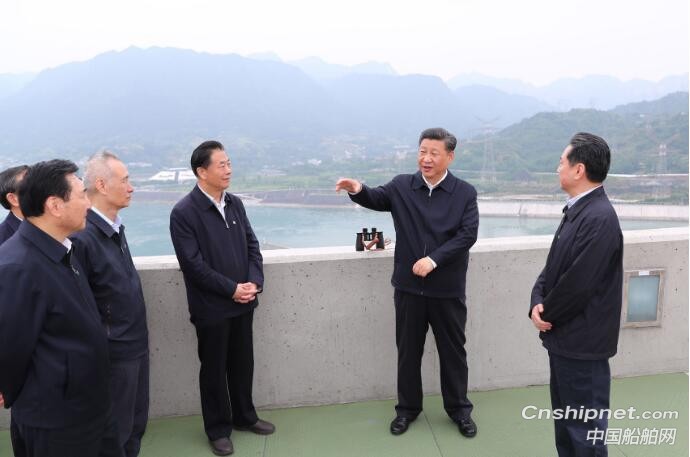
[
  {"x": 147, "y": 226},
  {"x": 296, "y": 227}
]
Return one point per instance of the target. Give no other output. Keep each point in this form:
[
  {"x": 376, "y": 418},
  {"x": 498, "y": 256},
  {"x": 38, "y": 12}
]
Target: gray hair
[{"x": 97, "y": 167}]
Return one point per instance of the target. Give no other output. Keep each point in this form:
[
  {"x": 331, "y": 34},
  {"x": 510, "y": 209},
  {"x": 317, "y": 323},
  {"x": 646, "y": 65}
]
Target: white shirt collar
[
  {"x": 219, "y": 206},
  {"x": 114, "y": 224},
  {"x": 222, "y": 198},
  {"x": 67, "y": 243},
  {"x": 431, "y": 188},
  {"x": 571, "y": 201}
]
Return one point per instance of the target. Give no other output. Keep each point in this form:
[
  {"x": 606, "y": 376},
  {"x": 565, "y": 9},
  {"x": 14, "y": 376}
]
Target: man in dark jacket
[
  {"x": 53, "y": 351},
  {"x": 9, "y": 183},
  {"x": 223, "y": 272},
  {"x": 103, "y": 252},
  {"x": 436, "y": 220},
  {"x": 9, "y": 199},
  {"x": 576, "y": 300}
]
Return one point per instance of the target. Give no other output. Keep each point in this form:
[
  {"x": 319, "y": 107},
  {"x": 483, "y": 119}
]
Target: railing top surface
[{"x": 293, "y": 255}]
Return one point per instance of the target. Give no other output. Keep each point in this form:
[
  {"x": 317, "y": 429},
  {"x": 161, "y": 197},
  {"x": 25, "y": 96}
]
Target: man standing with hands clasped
[
  {"x": 223, "y": 272},
  {"x": 436, "y": 220},
  {"x": 576, "y": 300}
]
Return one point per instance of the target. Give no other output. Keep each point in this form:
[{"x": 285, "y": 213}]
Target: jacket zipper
[
  {"x": 107, "y": 319},
  {"x": 425, "y": 245}
]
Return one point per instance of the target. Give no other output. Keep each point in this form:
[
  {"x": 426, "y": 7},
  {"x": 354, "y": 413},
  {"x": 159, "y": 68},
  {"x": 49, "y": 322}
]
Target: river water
[{"x": 147, "y": 225}]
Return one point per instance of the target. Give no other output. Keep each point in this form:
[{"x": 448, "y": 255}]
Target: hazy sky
[{"x": 534, "y": 40}]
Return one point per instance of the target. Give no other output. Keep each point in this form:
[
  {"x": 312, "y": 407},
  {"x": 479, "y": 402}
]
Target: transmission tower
[
  {"x": 662, "y": 183},
  {"x": 662, "y": 190},
  {"x": 489, "y": 160}
]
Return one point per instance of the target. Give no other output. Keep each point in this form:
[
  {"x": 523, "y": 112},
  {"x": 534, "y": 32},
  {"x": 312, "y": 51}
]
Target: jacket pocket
[{"x": 81, "y": 376}]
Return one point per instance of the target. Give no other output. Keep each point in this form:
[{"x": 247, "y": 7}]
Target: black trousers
[
  {"x": 18, "y": 446},
  {"x": 447, "y": 317},
  {"x": 226, "y": 354},
  {"x": 129, "y": 388},
  {"x": 579, "y": 383},
  {"x": 97, "y": 438}
]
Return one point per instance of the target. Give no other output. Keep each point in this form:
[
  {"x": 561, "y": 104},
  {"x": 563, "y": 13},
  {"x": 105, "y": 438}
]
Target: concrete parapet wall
[{"x": 325, "y": 333}]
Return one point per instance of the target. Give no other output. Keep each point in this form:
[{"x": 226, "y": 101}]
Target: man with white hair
[{"x": 103, "y": 251}]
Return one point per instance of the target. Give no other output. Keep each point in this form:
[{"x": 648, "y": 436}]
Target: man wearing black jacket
[
  {"x": 223, "y": 272},
  {"x": 436, "y": 220},
  {"x": 9, "y": 183},
  {"x": 103, "y": 252},
  {"x": 53, "y": 351},
  {"x": 9, "y": 199},
  {"x": 576, "y": 300}
]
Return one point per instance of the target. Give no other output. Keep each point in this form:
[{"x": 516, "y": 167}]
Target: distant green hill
[
  {"x": 674, "y": 103},
  {"x": 633, "y": 131}
]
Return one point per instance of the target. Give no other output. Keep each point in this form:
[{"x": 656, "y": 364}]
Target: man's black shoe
[
  {"x": 222, "y": 446},
  {"x": 260, "y": 428},
  {"x": 467, "y": 427},
  {"x": 400, "y": 424}
]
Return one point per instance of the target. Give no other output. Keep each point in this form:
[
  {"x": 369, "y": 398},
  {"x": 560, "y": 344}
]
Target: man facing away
[
  {"x": 9, "y": 183},
  {"x": 576, "y": 300},
  {"x": 436, "y": 220},
  {"x": 53, "y": 351},
  {"x": 104, "y": 254},
  {"x": 223, "y": 272}
]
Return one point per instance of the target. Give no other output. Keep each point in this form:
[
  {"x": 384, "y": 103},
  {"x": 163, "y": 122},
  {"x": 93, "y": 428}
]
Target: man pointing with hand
[{"x": 436, "y": 220}]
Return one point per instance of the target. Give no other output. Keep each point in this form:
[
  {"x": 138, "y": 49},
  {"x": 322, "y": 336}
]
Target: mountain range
[
  {"x": 156, "y": 104},
  {"x": 593, "y": 91}
]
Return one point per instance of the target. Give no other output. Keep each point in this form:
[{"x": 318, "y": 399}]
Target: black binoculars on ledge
[{"x": 369, "y": 240}]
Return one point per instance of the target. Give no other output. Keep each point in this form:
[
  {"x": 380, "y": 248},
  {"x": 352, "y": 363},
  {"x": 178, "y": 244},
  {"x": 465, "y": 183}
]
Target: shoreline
[{"x": 497, "y": 207}]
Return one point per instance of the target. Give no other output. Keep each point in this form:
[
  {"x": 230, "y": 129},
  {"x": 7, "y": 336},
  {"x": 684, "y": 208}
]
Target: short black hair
[
  {"x": 8, "y": 183},
  {"x": 441, "y": 134},
  {"x": 593, "y": 152},
  {"x": 43, "y": 180},
  {"x": 202, "y": 154}
]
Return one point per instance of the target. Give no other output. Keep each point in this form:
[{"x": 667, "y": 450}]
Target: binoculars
[{"x": 369, "y": 240}]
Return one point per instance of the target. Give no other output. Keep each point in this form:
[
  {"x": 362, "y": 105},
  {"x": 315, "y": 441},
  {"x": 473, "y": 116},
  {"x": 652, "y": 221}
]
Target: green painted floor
[{"x": 361, "y": 429}]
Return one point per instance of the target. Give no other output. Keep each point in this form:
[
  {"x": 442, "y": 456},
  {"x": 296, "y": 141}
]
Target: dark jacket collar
[
  {"x": 13, "y": 221},
  {"x": 447, "y": 184},
  {"x": 579, "y": 205},
  {"x": 45, "y": 243},
  {"x": 202, "y": 201},
  {"x": 100, "y": 223}
]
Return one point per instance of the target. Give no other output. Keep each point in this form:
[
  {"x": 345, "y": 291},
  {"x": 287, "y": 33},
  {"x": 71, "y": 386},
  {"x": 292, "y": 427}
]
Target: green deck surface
[{"x": 361, "y": 429}]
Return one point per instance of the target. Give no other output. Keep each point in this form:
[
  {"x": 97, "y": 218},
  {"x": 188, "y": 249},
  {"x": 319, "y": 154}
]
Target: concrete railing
[{"x": 324, "y": 331}]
